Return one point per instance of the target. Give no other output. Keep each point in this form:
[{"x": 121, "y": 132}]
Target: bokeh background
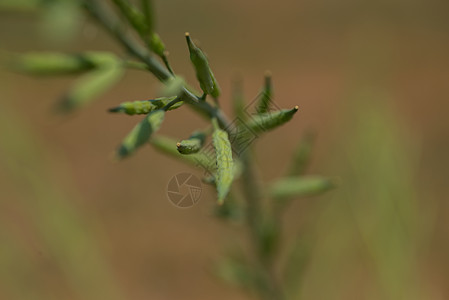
[{"x": 371, "y": 79}]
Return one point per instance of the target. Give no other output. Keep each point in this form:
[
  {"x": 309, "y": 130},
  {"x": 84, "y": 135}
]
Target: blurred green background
[{"x": 370, "y": 77}]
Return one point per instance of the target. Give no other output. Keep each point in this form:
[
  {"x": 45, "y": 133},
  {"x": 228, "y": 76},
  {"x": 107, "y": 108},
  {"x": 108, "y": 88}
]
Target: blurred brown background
[{"x": 370, "y": 77}]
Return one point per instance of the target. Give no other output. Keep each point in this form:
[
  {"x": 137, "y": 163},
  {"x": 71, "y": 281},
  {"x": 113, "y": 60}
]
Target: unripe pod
[
  {"x": 168, "y": 146},
  {"x": 141, "y": 133},
  {"x": 91, "y": 85},
  {"x": 271, "y": 120},
  {"x": 300, "y": 186},
  {"x": 225, "y": 163},
  {"x": 145, "y": 106},
  {"x": 50, "y": 63},
  {"x": 203, "y": 72},
  {"x": 193, "y": 144},
  {"x": 266, "y": 95}
]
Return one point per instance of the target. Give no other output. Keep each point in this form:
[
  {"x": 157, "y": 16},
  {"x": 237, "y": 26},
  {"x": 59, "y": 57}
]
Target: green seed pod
[
  {"x": 50, "y": 63},
  {"x": 225, "y": 163},
  {"x": 100, "y": 59},
  {"x": 168, "y": 146},
  {"x": 193, "y": 144},
  {"x": 135, "y": 107},
  {"x": 301, "y": 157},
  {"x": 145, "y": 106},
  {"x": 135, "y": 18},
  {"x": 300, "y": 186},
  {"x": 203, "y": 72},
  {"x": 271, "y": 120},
  {"x": 156, "y": 45},
  {"x": 141, "y": 133},
  {"x": 90, "y": 86},
  {"x": 266, "y": 95}
]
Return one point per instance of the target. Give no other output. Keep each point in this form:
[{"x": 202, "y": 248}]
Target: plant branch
[{"x": 104, "y": 15}]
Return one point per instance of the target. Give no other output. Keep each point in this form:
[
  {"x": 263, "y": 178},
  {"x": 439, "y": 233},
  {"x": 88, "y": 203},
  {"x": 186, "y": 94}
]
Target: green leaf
[
  {"x": 168, "y": 146},
  {"x": 300, "y": 186},
  {"x": 141, "y": 133},
  {"x": 225, "y": 163},
  {"x": 203, "y": 72},
  {"x": 145, "y": 106},
  {"x": 271, "y": 120},
  {"x": 266, "y": 95},
  {"x": 193, "y": 144},
  {"x": 91, "y": 85},
  {"x": 301, "y": 156}
]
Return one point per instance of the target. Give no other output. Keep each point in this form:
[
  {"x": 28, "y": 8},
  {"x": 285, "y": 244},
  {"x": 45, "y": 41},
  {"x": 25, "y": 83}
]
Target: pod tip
[
  {"x": 187, "y": 33},
  {"x": 267, "y": 73},
  {"x": 296, "y": 107}
]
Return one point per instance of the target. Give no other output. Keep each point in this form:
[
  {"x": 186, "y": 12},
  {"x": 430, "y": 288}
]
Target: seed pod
[
  {"x": 300, "y": 186},
  {"x": 270, "y": 120},
  {"x": 50, "y": 63},
  {"x": 145, "y": 106},
  {"x": 141, "y": 133},
  {"x": 156, "y": 45},
  {"x": 265, "y": 96},
  {"x": 225, "y": 164},
  {"x": 193, "y": 144},
  {"x": 301, "y": 157},
  {"x": 203, "y": 72},
  {"x": 90, "y": 86},
  {"x": 134, "y": 17},
  {"x": 168, "y": 146}
]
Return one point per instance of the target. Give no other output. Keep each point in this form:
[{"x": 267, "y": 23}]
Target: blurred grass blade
[
  {"x": 271, "y": 120},
  {"x": 90, "y": 86},
  {"x": 300, "y": 186},
  {"x": 301, "y": 156},
  {"x": 193, "y": 144},
  {"x": 145, "y": 106},
  {"x": 266, "y": 95},
  {"x": 141, "y": 133},
  {"x": 225, "y": 163},
  {"x": 204, "y": 73},
  {"x": 168, "y": 146},
  {"x": 49, "y": 63}
]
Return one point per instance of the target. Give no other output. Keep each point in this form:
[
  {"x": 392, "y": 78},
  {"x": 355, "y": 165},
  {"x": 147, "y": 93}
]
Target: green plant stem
[
  {"x": 104, "y": 15},
  {"x": 268, "y": 287}
]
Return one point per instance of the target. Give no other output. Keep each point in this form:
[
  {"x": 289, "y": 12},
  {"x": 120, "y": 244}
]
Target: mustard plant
[{"x": 258, "y": 206}]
